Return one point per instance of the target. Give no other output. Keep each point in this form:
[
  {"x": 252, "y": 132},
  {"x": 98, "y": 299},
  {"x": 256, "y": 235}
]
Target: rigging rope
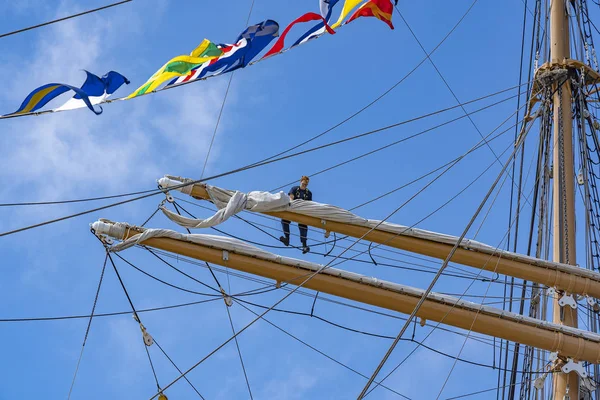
[
  {"x": 64, "y": 18},
  {"x": 221, "y": 112},
  {"x": 89, "y": 325}
]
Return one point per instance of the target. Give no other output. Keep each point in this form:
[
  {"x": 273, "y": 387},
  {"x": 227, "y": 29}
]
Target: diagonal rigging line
[
  {"x": 315, "y": 349},
  {"x": 487, "y": 289},
  {"x": 376, "y": 335},
  {"x": 64, "y": 18},
  {"x": 237, "y": 345},
  {"x": 225, "y": 296},
  {"x": 450, "y": 89},
  {"x": 312, "y": 275},
  {"x": 438, "y": 324},
  {"x": 137, "y": 318},
  {"x": 384, "y": 147},
  {"x": 212, "y": 141},
  {"x": 410, "y": 137},
  {"x": 87, "y": 330},
  {"x": 440, "y": 175},
  {"x": 230, "y": 172},
  {"x": 222, "y": 107},
  {"x": 176, "y": 367},
  {"x": 461, "y": 296},
  {"x": 437, "y": 276},
  {"x": 384, "y": 93},
  {"x": 515, "y": 219}
]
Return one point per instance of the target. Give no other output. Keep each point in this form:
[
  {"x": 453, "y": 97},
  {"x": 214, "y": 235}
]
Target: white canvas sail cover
[{"x": 231, "y": 202}]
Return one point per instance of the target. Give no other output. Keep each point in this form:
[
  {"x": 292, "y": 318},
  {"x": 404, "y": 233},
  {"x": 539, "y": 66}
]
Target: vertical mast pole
[{"x": 563, "y": 183}]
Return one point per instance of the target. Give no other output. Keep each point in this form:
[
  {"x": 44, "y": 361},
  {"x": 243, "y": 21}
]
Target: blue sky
[{"x": 54, "y": 270}]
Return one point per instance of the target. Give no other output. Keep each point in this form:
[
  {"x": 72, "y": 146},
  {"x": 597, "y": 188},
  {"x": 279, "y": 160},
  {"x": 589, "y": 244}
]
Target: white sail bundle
[{"x": 232, "y": 202}]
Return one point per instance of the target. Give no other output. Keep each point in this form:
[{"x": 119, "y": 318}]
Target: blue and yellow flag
[
  {"x": 93, "y": 91},
  {"x": 42, "y": 95}
]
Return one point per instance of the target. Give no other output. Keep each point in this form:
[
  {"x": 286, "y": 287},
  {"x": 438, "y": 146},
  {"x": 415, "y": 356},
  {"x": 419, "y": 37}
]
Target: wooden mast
[{"x": 566, "y": 386}]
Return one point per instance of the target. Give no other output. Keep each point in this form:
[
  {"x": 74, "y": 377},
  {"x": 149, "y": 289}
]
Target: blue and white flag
[
  {"x": 326, "y": 7},
  {"x": 97, "y": 90}
]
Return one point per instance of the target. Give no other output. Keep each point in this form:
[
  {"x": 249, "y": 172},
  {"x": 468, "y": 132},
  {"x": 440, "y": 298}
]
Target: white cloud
[
  {"x": 297, "y": 383},
  {"x": 68, "y": 154},
  {"x": 189, "y": 117}
]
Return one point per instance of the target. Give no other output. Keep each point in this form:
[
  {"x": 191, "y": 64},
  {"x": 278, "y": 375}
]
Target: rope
[
  {"x": 315, "y": 349},
  {"x": 402, "y": 140},
  {"x": 64, "y": 18},
  {"x": 222, "y": 107},
  {"x": 384, "y": 93},
  {"x": 177, "y": 368},
  {"x": 152, "y": 366},
  {"x": 87, "y": 330},
  {"x": 237, "y": 345}
]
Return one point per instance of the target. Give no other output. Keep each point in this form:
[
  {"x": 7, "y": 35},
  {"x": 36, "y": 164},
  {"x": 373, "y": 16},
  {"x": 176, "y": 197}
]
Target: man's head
[{"x": 304, "y": 182}]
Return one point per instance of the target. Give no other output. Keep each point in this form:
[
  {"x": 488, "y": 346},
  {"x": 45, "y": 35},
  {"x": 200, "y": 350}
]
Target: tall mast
[{"x": 563, "y": 184}]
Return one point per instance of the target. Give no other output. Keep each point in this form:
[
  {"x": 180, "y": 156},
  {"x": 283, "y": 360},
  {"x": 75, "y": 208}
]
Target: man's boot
[
  {"x": 285, "y": 240},
  {"x": 305, "y": 248}
]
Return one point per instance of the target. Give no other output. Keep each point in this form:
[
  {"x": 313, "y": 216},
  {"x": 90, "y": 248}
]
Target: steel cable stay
[
  {"x": 371, "y": 334},
  {"x": 64, "y": 18},
  {"x": 89, "y": 325},
  {"x": 514, "y": 221},
  {"x": 148, "y": 340}
]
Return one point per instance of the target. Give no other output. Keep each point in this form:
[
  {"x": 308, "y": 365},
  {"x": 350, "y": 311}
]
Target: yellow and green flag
[{"x": 179, "y": 66}]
